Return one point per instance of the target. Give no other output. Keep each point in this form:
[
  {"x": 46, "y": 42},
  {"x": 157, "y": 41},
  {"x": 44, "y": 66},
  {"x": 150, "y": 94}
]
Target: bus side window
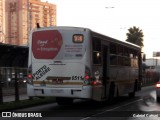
[
  {"x": 96, "y": 57},
  {"x": 96, "y": 50},
  {"x": 113, "y": 48},
  {"x": 96, "y": 44},
  {"x": 113, "y": 60}
]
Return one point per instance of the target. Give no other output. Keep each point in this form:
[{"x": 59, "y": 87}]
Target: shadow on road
[{"x": 123, "y": 108}]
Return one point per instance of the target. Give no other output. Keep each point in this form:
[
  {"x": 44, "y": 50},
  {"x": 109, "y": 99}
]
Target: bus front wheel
[
  {"x": 132, "y": 94},
  {"x": 64, "y": 101},
  {"x": 111, "y": 93}
]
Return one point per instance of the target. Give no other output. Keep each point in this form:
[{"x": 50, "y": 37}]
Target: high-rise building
[
  {"x": 23, "y": 15},
  {"x": 2, "y": 19}
]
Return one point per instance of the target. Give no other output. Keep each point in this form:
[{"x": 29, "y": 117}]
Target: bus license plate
[
  {"x": 57, "y": 91},
  {"x": 57, "y": 81}
]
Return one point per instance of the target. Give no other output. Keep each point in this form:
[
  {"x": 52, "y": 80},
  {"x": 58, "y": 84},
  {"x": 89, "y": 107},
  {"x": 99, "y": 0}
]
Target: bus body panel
[
  {"x": 59, "y": 70},
  {"x": 84, "y": 92},
  {"x": 61, "y": 60},
  {"x": 124, "y": 77},
  {"x": 63, "y": 74}
]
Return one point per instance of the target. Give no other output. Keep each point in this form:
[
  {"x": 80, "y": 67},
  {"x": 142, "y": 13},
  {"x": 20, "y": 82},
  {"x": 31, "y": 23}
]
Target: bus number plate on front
[{"x": 57, "y": 81}]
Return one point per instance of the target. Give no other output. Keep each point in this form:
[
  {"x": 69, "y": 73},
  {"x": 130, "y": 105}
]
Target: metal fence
[
  {"x": 12, "y": 82},
  {"x": 150, "y": 78}
]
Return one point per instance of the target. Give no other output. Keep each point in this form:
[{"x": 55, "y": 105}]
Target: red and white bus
[{"x": 72, "y": 62}]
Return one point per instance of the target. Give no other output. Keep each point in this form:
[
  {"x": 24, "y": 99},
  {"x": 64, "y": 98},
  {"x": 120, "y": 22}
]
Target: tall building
[
  {"x": 2, "y": 19},
  {"x": 23, "y": 15}
]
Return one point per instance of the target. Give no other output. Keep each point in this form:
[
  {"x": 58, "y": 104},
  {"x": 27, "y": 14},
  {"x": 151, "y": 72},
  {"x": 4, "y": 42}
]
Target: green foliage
[
  {"x": 25, "y": 103},
  {"x": 135, "y": 36}
]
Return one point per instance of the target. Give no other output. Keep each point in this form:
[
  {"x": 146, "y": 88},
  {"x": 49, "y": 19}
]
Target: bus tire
[
  {"x": 132, "y": 94},
  {"x": 30, "y": 98},
  {"x": 111, "y": 93},
  {"x": 64, "y": 101},
  {"x": 158, "y": 99}
]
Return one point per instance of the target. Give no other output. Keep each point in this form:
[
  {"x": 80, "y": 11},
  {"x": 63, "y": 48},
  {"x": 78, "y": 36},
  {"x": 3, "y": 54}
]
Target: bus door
[{"x": 105, "y": 65}]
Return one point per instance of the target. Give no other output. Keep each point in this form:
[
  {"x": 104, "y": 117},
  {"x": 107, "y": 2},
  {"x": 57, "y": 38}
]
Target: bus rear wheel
[
  {"x": 64, "y": 101},
  {"x": 132, "y": 94},
  {"x": 111, "y": 93},
  {"x": 158, "y": 99}
]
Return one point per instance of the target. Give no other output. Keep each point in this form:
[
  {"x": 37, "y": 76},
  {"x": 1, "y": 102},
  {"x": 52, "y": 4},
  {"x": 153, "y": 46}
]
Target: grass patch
[{"x": 25, "y": 103}]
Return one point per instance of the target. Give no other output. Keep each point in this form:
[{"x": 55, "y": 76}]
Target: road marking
[{"x": 110, "y": 109}]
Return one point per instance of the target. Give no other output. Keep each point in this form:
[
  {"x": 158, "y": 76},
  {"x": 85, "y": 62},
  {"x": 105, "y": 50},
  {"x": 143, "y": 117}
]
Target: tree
[{"x": 135, "y": 36}]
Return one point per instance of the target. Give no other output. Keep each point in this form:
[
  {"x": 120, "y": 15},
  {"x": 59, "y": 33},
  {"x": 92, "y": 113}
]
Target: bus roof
[
  {"x": 125, "y": 43},
  {"x": 62, "y": 28},
  {"x": 96, "y": 34}
]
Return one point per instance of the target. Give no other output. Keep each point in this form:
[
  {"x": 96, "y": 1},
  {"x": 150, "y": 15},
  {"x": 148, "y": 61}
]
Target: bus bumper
[{"x": 83, "y": 92}]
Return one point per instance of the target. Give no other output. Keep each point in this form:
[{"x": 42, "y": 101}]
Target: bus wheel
[
  {"x": 31, "y": 98},
  {"x": 158, "y": 99},
  {"x": 111, "y": 93},
  {"x": 64, "y": 101},
  {"x": 132, "y": 94}
]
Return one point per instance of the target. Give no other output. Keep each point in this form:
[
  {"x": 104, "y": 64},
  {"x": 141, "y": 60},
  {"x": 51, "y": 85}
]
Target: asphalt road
[{"x": 142, "y": 107}]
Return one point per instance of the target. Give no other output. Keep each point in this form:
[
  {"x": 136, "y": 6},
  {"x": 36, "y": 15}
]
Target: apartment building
[
  {"x": 21, "y": 16},
  {"x": 2, "y": 21}
]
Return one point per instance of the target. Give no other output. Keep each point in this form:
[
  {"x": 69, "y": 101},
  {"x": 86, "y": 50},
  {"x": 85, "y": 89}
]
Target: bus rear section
[{"x": 58, "y": 64}]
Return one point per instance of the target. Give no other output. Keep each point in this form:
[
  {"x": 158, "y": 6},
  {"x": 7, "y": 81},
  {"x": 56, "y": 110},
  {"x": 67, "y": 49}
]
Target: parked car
[{"x": 158, "y": 91}]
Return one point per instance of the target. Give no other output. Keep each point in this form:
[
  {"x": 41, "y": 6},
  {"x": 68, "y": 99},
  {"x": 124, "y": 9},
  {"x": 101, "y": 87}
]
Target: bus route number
[{"x": 77, "y": 78}]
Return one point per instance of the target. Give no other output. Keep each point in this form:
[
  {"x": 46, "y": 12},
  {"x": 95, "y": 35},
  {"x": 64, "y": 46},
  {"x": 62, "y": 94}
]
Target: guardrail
[{"x": 150, "y": 78}]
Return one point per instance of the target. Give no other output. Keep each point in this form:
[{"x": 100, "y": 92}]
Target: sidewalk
[
  {"x": 11, "y": 98},
  {"x": 9, "y": 94}
]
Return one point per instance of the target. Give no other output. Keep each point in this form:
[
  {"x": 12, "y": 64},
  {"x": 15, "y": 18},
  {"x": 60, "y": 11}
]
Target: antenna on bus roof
[{"x": 38, "y": 26}]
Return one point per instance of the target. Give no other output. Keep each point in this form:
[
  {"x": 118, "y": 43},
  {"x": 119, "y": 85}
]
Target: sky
[{"x": 113, "y": 18}]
